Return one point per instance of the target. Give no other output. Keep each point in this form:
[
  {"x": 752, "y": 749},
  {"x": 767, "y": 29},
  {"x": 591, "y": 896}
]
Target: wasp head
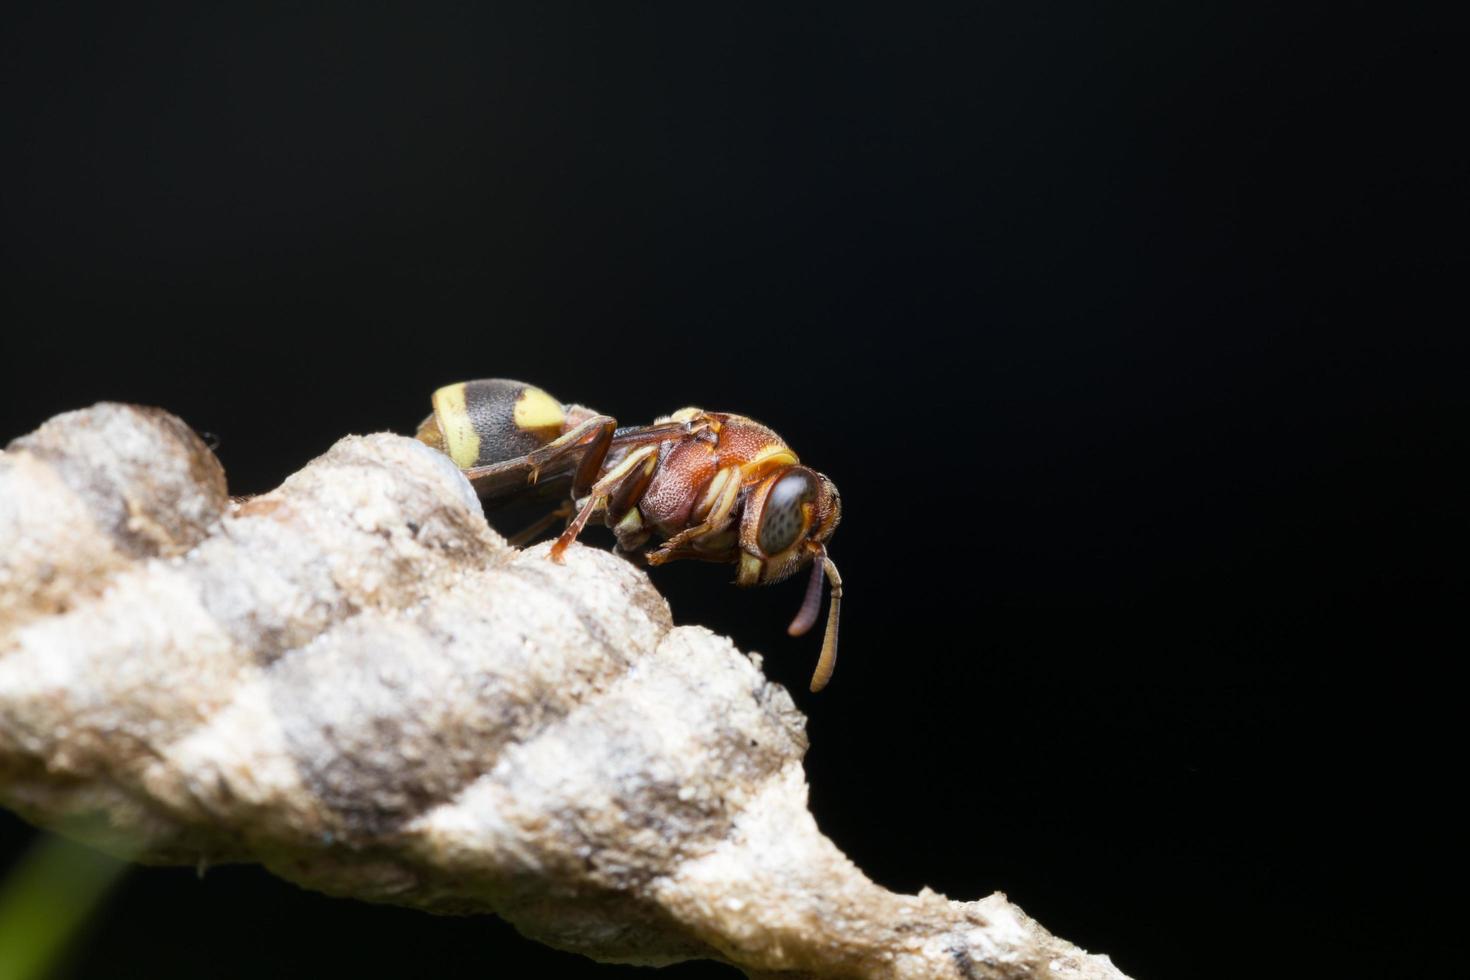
[{"x": 788, "y": 519}]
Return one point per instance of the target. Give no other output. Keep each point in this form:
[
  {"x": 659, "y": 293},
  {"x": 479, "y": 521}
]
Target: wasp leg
[
  {"x": 528, "y": 534},
  {"x": 662, "y": 556},
  {"x": 580, "y": 452},
  {"x": 633, "y": 468}
]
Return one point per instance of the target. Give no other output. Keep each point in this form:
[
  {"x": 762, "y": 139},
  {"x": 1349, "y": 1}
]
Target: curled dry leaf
[{"x": 354, "y": 681}]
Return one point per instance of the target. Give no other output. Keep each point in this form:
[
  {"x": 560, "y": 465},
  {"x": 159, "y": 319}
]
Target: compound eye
[{"x": 782, "y": 519}]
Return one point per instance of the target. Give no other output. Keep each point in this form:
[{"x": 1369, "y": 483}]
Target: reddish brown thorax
[{"x": 690, "y": 465}]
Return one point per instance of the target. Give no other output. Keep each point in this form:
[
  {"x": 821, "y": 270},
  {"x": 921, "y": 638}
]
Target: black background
[{"x": 1133, "y": 335}]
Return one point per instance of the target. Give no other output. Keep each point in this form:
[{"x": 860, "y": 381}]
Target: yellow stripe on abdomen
[
  {"x": 535, "y": 409},
  {"x": 461, "y": 441}
]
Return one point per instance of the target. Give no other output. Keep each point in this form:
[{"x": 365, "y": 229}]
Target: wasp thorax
[{"x": 783, "y": 520}]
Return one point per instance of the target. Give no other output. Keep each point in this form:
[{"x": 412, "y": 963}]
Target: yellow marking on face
[
  {"x": 535, "y": 409},
  {"x": 632, "y": 521},
  {"x": 750, "y": 570},
  {"x": 461, "y": 441}
]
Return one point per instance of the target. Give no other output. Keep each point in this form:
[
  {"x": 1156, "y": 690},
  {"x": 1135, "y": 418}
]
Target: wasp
[{"x": 709, "y": 486}]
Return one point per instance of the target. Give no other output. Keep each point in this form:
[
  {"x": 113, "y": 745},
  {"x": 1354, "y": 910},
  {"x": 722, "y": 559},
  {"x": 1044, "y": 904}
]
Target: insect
[{"x": 709, "y": 486}]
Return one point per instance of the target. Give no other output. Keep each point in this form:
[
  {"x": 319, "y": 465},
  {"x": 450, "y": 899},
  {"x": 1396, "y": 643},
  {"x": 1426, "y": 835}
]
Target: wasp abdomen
[{"x": 492, "y": 420}]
